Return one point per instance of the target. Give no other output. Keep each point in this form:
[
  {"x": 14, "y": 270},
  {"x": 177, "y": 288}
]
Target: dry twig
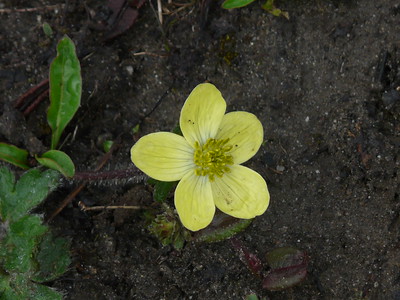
[
  {"x": 31, "y": 9},
  {"x": 86, "y": 208},
  {"x": 150, "y": 54}
]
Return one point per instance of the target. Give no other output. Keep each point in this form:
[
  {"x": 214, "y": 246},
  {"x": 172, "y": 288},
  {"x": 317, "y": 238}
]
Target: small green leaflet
[
  {"x": 161, "y": 189},
  {"x": 229, "y": 4},
  {"x": 14, "y": 155},
  {"x": 65, "y": 89},
  {"x": 57, "y": 160},
  {"x": 47, "y": 29}
]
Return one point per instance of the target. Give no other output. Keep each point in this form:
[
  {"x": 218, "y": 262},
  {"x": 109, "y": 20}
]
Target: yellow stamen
[{"x": 212, "y": 158}]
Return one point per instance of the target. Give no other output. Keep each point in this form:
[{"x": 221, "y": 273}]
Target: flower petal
[
  {"x": 202, "y": 113},
  {"x": 194, "y": 201},
  {"x": 245, "y": 133},
  {"x": 164, "y": 156},
  {"x": 241, "y": 193}
]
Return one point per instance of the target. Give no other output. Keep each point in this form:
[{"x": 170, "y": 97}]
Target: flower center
[{"x": 212, "y": 158}]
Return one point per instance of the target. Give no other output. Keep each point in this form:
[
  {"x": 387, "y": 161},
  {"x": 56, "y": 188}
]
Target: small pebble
[{"x": 129, "y": 69}]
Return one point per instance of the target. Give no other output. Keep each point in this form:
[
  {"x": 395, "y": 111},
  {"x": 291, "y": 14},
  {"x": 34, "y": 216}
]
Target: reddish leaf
[
  {"x": 288, "y": 268},
  {"x": 251, "y": 260},
  {"x": 116, "y": 6},
  {"x": 122, "y": 19},
  {"x": 137, "y": 3},
  {"x": 285, "y": 257}
]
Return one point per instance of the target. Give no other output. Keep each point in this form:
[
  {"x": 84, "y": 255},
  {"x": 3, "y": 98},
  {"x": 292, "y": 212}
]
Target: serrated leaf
[
  {"x": 65, "y": 89},
  {"x": 42, "y": 292},
  {"x": 19, "y": 244},
  {"x": 6, "y": 292},
  {"x": 7, "y": 182},
  {"x": 30, "y": 190},
  {"x": 229, "y": 4},
  {"x": 14, "y": 155},
  {"x": 57, "y": 160},
  {"x": 53, "y": 258},
  {"x": 18, "y": 288}
]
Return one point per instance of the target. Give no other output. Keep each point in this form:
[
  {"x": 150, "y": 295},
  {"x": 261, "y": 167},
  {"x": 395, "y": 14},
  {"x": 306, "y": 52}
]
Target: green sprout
[
  {"x": 48, "y": 31},
  {"x": 30, "y": 255},
  {"x": 65, "y": 94},
  {"x": 136, "y": 129},
  {"x": 268, "y": 6},
  {"x": 107, "y": 145},
  {"x": 65, "y": 89}
]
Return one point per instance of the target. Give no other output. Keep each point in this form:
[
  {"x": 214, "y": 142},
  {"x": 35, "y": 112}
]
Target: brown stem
[
  {"x": 35, "y": 103},
  {"x": 20, "y": 101},
  {"x": 31, "y": 9},
  {"x": 106, "y": 175},
  {"x": 76, "y": 191},
  {"x": 86, "y": 208}
]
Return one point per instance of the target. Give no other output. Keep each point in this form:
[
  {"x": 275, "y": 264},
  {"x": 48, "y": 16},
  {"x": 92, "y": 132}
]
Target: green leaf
[
  {"x": 42, "y": 292},
  {"x": 270, "y": 7},
  {"x": 168, "y": 229},
  {"x": 17, "y": 289},
  {"x": 53, "y": 258},
  {"x": 107, "y": 145},
  {"x": 252, "y": 297},
  {"x": 161, "y": 189},
  {"x": 14, "y": 155},
  {"x": 21, "y": 288},
  {"x": 177, "y": 130},
  {"x": 58, "y": 160},
  {"x": 7, "y": 182},
  {"x": 6, "y": 292},
  {"x": 136, "y": 129},
  {"x": 65, "y": 89},
  {"x": 17, "y": 247},
  {"x": 229, "y": 4},
  {"x": 221, "y": 228},
  {"x": 30, "y": 190},
  {"x": 47, "y": 29}
]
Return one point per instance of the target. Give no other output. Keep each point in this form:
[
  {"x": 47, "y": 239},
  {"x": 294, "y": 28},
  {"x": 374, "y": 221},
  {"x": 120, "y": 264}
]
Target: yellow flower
[{"x": 206, "y": 160}]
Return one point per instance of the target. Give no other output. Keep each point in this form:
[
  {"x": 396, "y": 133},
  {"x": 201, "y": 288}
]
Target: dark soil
[{"x": 325, "y": 85}]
